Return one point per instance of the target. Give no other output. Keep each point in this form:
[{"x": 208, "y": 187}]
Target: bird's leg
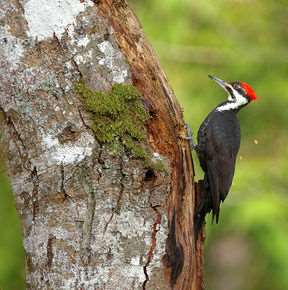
[{"x": 189, "y": 137}]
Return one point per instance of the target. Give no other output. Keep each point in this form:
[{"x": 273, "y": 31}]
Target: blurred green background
[{"x": 234, "y": 40}]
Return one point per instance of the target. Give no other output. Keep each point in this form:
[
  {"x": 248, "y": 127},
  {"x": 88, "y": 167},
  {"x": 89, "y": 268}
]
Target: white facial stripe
[
  {"x": 234, "y": 103},
  {"x": 230, "y": 98}
]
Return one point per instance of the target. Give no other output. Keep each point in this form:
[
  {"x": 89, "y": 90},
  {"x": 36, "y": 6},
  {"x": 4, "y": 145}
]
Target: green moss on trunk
[{"x": 118, "y": 120}]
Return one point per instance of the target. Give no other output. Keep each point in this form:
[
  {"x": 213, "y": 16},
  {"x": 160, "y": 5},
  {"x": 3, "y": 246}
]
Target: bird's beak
[{"x": 220, "y": 82}]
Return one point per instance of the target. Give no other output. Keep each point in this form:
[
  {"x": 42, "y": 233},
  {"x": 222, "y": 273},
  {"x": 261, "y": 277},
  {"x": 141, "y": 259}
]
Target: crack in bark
[
  {"x": 63, "y": 181},
  {"x": 155, "y": 230},
  {"x": 122, "y": 187},
  {"x": 10, "y": 123},
  {"x": 77, "y": 67},
  {"x": 83, "y": 121},
  {"x": 62, "y": 189},
  {"x": 55, "y": 37},
  {"x": 88, "y": 222},
  {"x": 35, "y": 180},
  {"x": 174, "y": 257},
  {"x": 118, "y": 206},
  {"x": 109, "y": 221},
  {"x": 50, "y": 254}
]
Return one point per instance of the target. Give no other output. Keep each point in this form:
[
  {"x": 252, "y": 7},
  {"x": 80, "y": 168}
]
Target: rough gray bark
[{"x": 92, "y": 220}]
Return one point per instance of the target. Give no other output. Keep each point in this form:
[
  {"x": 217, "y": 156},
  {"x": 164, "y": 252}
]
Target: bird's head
[{"x": 239, "y": 93}]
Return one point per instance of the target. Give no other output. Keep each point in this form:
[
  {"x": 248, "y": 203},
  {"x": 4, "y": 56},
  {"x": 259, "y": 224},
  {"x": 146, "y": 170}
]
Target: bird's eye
[
  {"x": 237, "y": 87},
  {"x": 240, "y": 89}
]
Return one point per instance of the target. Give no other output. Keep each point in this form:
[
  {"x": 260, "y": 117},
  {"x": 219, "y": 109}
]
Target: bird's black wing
[
  {"x": 221, "y": 148},
  {"x": 220, "y": 172}
]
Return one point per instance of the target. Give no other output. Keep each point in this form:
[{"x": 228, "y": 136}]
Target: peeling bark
[{"x": 92, "y": 219}]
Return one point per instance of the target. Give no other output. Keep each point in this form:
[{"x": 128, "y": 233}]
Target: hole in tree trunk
[{"x": 149, "y": 175}]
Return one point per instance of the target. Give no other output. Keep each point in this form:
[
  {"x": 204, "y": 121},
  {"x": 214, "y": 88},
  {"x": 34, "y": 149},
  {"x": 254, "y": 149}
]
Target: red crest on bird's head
[{"x": 249, "y": 91}]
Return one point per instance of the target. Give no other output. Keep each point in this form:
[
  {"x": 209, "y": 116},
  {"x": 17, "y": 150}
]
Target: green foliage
[
  {"x": 11, "y": 249},
  {"x": 118, "y": 117}
]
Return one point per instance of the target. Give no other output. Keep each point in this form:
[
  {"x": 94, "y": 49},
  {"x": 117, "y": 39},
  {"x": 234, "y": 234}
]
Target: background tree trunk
[{"x": 92, "y": 219}]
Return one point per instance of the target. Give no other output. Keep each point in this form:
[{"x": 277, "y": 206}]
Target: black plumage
[{"x": 218, "y": 144}]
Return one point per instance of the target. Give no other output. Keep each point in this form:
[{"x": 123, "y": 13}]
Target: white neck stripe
[{"x": 238, "y": 101}]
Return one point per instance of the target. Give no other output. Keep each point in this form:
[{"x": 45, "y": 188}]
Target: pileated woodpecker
[{"x": 218, "y": 145}]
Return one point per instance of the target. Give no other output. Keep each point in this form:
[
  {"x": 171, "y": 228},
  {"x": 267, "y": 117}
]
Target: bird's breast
[{"x": 219, "y": 128}]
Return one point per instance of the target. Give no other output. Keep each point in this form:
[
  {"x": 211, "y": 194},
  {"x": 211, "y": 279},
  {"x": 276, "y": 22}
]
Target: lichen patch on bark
[
  {"x": 48, "y": 17},
  {"x": 110, "y": 58},
  {"x": 57, "y": 153},
  {"x": 11, "y": 49}
]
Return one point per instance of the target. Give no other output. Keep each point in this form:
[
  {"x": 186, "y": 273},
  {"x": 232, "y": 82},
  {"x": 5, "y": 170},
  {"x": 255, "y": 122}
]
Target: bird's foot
[{"x": 189, "y": 137}]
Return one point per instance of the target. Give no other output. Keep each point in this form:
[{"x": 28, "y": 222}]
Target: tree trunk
[{"x": 94, "y": 217}]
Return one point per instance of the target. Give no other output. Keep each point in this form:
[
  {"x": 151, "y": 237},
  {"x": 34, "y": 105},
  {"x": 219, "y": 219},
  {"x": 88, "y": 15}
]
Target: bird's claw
[{"x": 189, "y": 137}]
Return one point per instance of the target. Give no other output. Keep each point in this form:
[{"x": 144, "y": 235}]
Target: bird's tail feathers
[
  {"x": 204, "y": 206},
  {"x": 215, "y": 214}
]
